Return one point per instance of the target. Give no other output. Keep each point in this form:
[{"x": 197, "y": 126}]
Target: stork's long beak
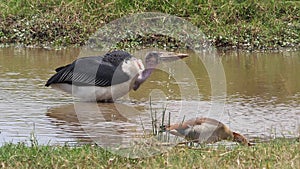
[
  {"x": 152, "y": 60},
  {"x": 172, "y": 56}
]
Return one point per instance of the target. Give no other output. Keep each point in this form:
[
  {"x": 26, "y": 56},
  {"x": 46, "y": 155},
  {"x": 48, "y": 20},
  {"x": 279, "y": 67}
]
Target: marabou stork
[
  {"x": 108, "y": 77},
  {"x": 205, "y": 130}
]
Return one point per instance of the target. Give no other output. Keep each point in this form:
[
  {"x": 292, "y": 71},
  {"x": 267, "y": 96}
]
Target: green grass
[
  {"x": 279, "y": 153},
  {"x": 243, "y": 24}
]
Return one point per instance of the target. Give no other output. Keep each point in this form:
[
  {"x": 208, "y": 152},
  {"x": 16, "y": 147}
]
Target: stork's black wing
[
  {"x": 62, "y": 67},
  {"x": 89, "y": 71}
]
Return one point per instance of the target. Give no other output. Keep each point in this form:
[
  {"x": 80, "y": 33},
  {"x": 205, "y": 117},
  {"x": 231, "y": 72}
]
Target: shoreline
[{"x": 250, "y": 26}]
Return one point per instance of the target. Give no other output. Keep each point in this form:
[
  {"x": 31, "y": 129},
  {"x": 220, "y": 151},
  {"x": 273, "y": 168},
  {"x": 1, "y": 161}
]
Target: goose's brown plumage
[{"x": 205, "y": 130}]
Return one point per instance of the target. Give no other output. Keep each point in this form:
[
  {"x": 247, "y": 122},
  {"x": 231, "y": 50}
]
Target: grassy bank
[
  {"x": 280, "y": 153},
  {"x": 249, "y": 24}
]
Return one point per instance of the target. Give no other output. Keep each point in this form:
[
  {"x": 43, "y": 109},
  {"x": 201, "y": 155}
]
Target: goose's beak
[{"x": 171, "y": 56}]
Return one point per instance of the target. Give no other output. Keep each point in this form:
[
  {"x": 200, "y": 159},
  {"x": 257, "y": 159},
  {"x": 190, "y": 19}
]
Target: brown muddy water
[{"x": 263, "y": 91}]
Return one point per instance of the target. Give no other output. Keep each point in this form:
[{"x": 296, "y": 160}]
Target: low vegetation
[
  {"x": 242, "y": 24},
  {"x": 279, "y": 153}
]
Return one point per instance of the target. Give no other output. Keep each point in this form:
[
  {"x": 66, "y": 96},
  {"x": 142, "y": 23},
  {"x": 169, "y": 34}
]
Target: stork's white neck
[{"x": 133, "y": 67}]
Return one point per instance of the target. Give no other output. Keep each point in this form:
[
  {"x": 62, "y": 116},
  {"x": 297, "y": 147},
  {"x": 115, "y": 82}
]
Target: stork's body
[
  {"x": 104, "y": 78},
  {"x": 205, "y": 130}
]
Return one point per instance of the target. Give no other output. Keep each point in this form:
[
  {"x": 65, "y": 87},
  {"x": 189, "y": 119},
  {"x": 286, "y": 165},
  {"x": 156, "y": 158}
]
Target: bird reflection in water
[{"x": 104, "y": 123}]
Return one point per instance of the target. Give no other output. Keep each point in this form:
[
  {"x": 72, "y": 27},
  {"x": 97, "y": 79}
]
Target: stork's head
[{"x": 152, "y": 59}]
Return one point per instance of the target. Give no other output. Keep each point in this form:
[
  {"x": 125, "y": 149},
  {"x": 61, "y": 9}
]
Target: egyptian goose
[{"x": 205, "y": 130}]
